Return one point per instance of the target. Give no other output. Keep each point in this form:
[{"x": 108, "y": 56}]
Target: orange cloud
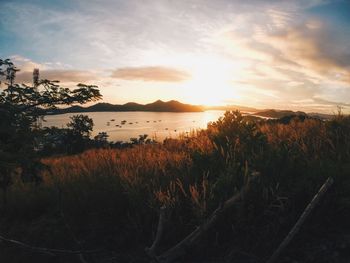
[
  {"x": 154, "y": 73},
  {"x": 61, "y": 75},
  {"x": 311, "y": 47}
]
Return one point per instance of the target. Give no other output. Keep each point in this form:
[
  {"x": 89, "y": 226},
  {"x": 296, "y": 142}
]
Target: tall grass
[{"x": 111, "y": 197}]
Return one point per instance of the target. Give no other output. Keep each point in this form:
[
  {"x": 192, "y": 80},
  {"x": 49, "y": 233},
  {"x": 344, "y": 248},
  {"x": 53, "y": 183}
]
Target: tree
[
  {"x": 21, "y": 106},
  {"x": 101, "y": 139},
  {"x": 81, "y": 125},
  {"x": 78, "y": 133}
]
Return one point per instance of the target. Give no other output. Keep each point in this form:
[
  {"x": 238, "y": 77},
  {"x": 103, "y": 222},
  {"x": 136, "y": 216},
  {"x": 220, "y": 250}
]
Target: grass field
[{"x": 109, "y": 199}]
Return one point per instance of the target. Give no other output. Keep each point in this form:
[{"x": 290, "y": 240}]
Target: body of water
[{"x": 121, "y": 126}]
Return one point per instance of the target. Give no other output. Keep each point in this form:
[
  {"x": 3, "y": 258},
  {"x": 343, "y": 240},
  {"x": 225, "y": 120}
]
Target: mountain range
[
  {"x": 176, "y": 106},
  {"x": 157, "y": 106}
]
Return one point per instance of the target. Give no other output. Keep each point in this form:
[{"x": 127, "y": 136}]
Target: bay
[{"x": 121, "y": 126}]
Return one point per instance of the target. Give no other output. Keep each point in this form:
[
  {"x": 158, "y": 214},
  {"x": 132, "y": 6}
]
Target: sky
[{"x": 264, "y": 54}]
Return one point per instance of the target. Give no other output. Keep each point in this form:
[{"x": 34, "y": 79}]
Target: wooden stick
[
  {"x": 160, "y": 229},
  {"x": 184, "y": 245},
  {"x": 76, "y": 240},
  {"x": 49, "y": 251},
  {"x": 301, "y": 219}
]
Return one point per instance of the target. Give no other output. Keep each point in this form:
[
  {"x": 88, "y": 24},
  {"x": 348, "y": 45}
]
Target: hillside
[
  {"x": 278, "y": 113},
  {"x": 231, "y": 107},
  {"x": 157, "y": 106},
  {"x": 176, "y": 106}
]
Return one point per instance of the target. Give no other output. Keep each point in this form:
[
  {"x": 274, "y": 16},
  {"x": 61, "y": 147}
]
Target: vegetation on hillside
[
  {"x": 110, "y": 198},
  {"x": 21, "y": 107}
]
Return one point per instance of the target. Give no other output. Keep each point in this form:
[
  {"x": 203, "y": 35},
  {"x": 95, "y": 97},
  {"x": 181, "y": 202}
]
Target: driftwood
[
  {"x": 43, "y": 250},
  {"x": 160, "y": 229},
  {"x": 301, "y": 220},
  {"x": 181, "y": 248}
]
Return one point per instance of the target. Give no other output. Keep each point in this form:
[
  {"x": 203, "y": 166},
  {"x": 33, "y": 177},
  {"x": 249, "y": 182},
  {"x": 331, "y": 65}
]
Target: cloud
[
  {"x": 50, "y": 71},
  {"x": 330, "y": 103},
  {"x": 76, "y": 76},
  {"x": 311, "y": 46},
  {"x": 25, "y": 64},
  {"x": 282, "y": 51},
  {"x": 152, "y": 73},
  {"x": 317, "y": 104},
  {"x": 290, "y": 57}
]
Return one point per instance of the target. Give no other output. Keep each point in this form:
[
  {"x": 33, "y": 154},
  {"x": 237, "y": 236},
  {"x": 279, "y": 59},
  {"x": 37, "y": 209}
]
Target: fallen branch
[
  {"x": 181, "y": 248},
  {"x": 49, "y": 251},
  {"x": 301, "y": 219},
  {"x": 160, "y": 229},
  {"x": 76, "y": 240}
]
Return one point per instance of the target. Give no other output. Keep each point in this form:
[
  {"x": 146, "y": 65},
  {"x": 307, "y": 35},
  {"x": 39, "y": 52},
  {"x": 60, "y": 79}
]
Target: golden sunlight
[{"x": 211, "y": 81}]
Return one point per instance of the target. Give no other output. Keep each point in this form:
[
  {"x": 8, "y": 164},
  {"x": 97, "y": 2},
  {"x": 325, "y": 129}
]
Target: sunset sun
[{"x": 211, "y": 81}]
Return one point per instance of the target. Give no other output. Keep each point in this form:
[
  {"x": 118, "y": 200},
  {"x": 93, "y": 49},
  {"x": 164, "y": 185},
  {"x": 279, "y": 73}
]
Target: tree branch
[
  {"x": 160, "y": 229},
  {"x": 301, "y": 220},
  {"x": 181, "y": 248},
  {"x": 43, "y": 250}
]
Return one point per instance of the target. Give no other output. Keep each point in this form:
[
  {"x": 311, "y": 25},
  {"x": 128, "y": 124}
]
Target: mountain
[
  {"x": 171, "y": 106},
  {"x": 279, "y": 113},
  {"x": 231, "y": 107},
  {"x": 321, "y": 116},
  {"x": 176, "y": 106},
  {"x": 158, "y": 106}
]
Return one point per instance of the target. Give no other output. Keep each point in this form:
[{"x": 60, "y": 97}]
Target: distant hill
[
  {"x": 231, "y": 107},
  {"x": 176, "y": 106},
  {"x": 279, "y": 113},
  {"x": 321, "y": 115},
  {"x": 271, "y": 113},
  {"x": 157, "y": 106}
]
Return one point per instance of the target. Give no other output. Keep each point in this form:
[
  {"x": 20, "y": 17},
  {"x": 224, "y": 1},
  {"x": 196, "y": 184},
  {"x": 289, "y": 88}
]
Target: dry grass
[{"x": 114, "y": 194}]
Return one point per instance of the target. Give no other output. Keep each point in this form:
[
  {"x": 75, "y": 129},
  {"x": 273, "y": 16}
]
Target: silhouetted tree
[
  {"x": 101, "y": 139},
  {"x": 78, "y": 133},
  {"x": 81, "y": 125},
  {"x": 21, "y": 106}
]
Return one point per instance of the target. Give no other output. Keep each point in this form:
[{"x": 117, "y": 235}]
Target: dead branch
[
  {"x": 43, "y": 250},
  {"x": 184, "y": 245},
  {"x": 301, "y": 219},
  {"x": 160, "y": 229},
  {"x": 76, "y": 240}
]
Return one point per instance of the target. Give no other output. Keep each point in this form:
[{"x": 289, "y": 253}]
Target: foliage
[
  {"x": 21, "y": 106},
  {"x": 78, "y": 133},
  {"x": 101, "y": 139},
  {"x": 81, "y": 125},
  {"x": 238, "y": 139}
]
